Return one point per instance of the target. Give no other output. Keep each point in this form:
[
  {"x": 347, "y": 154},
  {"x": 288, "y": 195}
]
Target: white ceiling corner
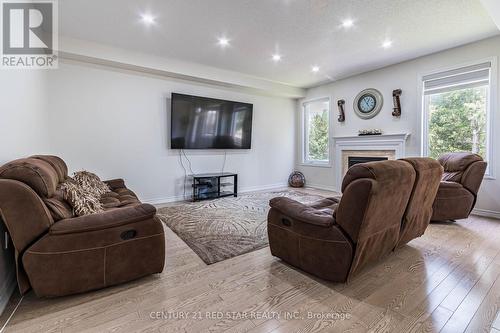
[{"x": 493, "y": 8}]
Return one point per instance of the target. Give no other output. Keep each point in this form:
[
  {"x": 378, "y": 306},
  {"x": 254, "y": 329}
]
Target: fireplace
[
  {"x": 352, "y": 157},
  {"x": 350, "y": 150},
  {"x": 353, "y": 160}
]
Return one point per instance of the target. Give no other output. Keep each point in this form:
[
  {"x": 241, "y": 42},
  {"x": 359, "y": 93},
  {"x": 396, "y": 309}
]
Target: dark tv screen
[{"x": 207, "y": 123}]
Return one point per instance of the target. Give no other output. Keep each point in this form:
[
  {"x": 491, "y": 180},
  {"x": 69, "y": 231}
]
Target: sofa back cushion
[
  {"x": 59, "y": 208},
  {"x": 57, "y": 163},
  {"x": 36, "y": 173},
  {"x": 419, "y": 210},
  {"x": 455, "y": 164},
  {"x": 375, "y": 196},
  {"x": 43, "y": 174}
]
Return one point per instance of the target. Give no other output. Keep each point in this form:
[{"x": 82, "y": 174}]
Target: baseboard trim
[
  {"x": 165, "y": 200},
  {"x": 486, "y": 213},
  {"x": 6, "y": 291},
  {"x": 322, "y": 187}
]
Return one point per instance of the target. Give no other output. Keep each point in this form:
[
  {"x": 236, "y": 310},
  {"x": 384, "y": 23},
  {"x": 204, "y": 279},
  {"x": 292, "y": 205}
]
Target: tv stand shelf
[{"x": 214, "y": 185}]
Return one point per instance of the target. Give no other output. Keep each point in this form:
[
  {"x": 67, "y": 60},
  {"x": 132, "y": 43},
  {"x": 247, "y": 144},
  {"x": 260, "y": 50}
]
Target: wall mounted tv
[{"x": 207, "y": 123}]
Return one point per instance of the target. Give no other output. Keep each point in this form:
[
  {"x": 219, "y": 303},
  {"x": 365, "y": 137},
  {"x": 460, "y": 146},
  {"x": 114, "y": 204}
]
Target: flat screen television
[{"x": 208, "y": 123}]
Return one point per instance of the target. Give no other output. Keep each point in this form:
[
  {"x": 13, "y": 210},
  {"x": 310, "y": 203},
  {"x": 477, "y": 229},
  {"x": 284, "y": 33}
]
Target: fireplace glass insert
[{"x": 353, "y": 160}]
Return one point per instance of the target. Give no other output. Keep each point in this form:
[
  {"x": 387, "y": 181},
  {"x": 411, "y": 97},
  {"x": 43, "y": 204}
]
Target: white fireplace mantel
[
  {"x": 382, "y": 137},
  {"x": 383, "y": 142}
]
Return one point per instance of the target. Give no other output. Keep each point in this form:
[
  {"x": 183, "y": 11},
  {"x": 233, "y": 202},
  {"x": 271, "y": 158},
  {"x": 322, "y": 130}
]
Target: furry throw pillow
[
  {"x": 91, "y": 183},
  {"x": 83, "y": 200}
]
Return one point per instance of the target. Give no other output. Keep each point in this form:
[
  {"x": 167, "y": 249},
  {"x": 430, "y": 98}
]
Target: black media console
[{"x": 214, "y": 185}]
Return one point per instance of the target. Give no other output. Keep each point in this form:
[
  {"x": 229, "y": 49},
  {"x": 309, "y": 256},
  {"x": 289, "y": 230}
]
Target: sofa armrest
[
  {"x": 473, "y": 176},
  {"x": 115, "y": 183},
  {"x": 303, "y": 213},
  {"x": 105, "y": 220}
]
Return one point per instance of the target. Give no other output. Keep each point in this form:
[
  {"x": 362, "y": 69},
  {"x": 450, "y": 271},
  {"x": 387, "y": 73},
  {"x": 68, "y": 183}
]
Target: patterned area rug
[{"x": 224, "y": 228}]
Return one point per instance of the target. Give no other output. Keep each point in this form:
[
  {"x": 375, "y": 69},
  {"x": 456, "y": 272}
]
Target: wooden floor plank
[
  {"x": 487, "y": 312},
  {"x": 470, "y": 304}
]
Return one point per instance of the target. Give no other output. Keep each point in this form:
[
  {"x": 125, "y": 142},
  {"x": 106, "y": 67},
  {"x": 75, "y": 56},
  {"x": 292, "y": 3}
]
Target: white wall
[
  {"x": 23, "y": 122},
  {"x": 116, "y": 123},
  {"x": 23, "y": 131},
  {"x": 404, "y": 76}
]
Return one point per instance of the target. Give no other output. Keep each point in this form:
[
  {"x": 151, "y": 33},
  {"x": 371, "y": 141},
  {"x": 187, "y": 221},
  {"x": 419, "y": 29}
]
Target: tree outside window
[
  {"x": 316, "y": 128},
  {"x": 458, "y": 121}
]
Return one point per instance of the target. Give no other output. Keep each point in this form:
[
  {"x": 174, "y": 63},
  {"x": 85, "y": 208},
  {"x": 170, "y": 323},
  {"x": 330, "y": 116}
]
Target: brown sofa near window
[
  {"x": 384, "y": 205},
  {"x": 59, "y": 254},
  {"x": 457, "y": 194}
]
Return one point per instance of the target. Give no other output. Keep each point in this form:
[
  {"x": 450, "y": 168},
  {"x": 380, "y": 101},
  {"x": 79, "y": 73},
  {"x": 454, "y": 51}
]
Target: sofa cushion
[
  {"x": 36, "y": 173},
  {"x": 119, "y": 197},
  {"x": 110, "y": 202},
  {"x": 452, "y": 176},
  {"x": 59, "y": 208},
  {"x": 57, "y": 163},
  {"x": 326, "y": 205},
  {"x": 453, "y": 162},
  {"x": 110, "y": 195},
  {"x": 301, "y": 212},
  {"x": 124, "y": 191},
  {"x": 126, "y": 200},
  {"x": 115, "y": 183}
]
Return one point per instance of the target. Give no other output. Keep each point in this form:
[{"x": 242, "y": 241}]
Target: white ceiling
[{"x": 305, "y": 32}]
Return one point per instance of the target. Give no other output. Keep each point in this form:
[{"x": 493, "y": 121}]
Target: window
[
  {"x": 456, "y": 106},
  {"x": 316, "y": 144}
]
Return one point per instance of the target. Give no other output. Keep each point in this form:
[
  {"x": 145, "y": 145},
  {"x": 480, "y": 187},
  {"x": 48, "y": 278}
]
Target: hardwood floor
[{"x": 446, "y": 281}]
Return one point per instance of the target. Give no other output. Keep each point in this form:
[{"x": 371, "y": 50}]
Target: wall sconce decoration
[
  {"x": 341, "y": 104},
  {"x": 397, "y": 102}
]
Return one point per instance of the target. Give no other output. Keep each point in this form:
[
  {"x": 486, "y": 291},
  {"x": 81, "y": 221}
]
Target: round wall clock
[{"x": 368, "y": 103}]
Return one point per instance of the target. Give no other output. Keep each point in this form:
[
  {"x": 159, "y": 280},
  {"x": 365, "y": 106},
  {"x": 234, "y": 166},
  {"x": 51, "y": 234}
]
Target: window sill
[
  {"x": 489, "y": 177},
  {"x": 318, "y": 165}
]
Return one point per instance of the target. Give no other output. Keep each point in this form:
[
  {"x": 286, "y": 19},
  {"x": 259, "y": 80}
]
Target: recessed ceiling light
[
  {"x": 348, "y": 23},
  {"x": 223, "y": 42},
  {"x": 387, "y": 44},
  {"x": 315, "y": 69},
  {"x": 276, "y": 57},
  {"x": 148, "y": 19}
]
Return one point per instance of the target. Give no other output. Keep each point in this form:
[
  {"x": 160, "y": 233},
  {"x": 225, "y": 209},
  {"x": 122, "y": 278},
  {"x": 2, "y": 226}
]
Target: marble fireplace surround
[{"x": 391, "y": 146}]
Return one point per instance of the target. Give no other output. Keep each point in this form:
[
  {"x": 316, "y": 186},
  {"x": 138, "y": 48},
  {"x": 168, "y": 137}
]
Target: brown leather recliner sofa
[
  {"x": 457, "y": 194},
  {"x": 59, "y": 254},
  {"x": 334, "y": 239}
]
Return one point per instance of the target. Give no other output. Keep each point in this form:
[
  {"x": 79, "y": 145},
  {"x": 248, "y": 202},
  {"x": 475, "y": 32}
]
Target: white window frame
[
  {"x": 490, "y": 113},
  {"x": 304, "y": 132}
]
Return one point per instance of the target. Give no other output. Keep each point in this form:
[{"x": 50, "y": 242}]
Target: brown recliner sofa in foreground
[
  {"x": 457, "y": 194},
  {"x": 334, "y": 239},
  {"x": 336, "y": 242},
  {"x": 59, "y": 254}
]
